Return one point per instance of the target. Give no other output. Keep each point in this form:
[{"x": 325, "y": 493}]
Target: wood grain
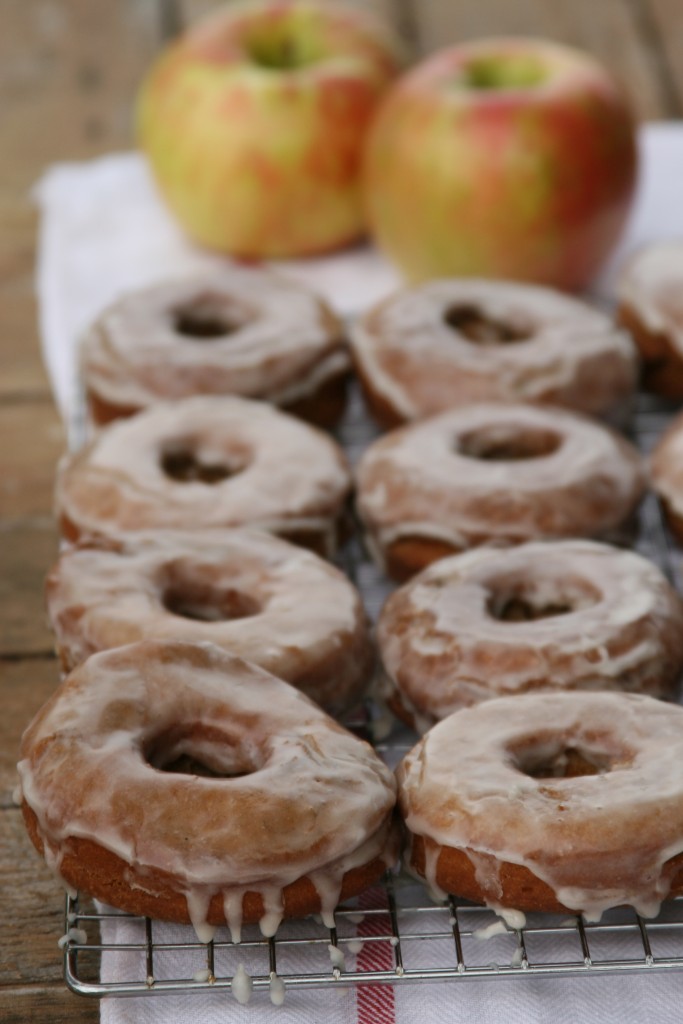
[
  {"x": 611, "y": 30},
  {"x": 24, "y": 687},
  {"x": 180, "y": 13},
  {"x": 28, "y": 549},
  {"x": 36, "y": 441},
  {"x": 664, "y": 20},
  {"x": 34, "y": 903},
  {"x": 69, "y": 70},
  {"x": 47, "y": 1005},
  {"x": 22, "y": 374}
]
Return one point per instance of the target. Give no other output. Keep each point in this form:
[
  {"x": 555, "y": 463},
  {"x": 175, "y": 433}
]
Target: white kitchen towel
[{"x": 103, "y": 231}]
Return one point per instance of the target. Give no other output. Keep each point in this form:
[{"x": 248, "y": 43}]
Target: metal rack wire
[
  {"x": 415, "y": 939},
  {"x": 395, "y": 934}
]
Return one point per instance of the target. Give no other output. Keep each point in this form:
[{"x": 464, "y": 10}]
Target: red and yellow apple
[
  {"x": 254, "y": 124},
  {"x": 509, "y": 158}
]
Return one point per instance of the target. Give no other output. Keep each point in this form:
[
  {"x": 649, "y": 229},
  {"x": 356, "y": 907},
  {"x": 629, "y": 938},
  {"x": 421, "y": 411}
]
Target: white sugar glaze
[
  {"x": 490, "y": 931},
  {"x": 276, "y": 990},
  {"x": 443, "y": 646},
  {"x": 597, "y": 841},
  {"x": 420, "y": 365},
  {"x": 416, "y": 482},
  {"x": 650, "y": 289},
  {"x": 337, "y": 957},
  {"x": 282, "y": 341},
  {"x": 78, "y": 935},
  {"x": 86, "y": 772},
  {"x": 295, "y": 615},
  {"x": 242, "y": 985},
  {"x": 286, "y": 474}
]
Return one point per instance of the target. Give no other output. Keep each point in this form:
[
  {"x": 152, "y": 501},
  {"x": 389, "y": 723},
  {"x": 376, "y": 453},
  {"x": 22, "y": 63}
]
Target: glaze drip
[{"x": 595, "y": 840}]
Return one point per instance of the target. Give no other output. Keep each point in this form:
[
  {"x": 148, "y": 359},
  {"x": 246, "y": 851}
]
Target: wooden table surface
[{"x": 68, "y": 72}]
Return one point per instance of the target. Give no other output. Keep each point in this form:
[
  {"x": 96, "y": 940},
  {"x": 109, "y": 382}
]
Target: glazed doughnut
[
  {"x": 650, "y": 306},
  {"x": 257, "y": 596},
  {"x": 550, "y": 801},
  {"x": 203, "y": 463},
  {"x": 666, "y": 473},
  {"x": 242, "y": 331},
  {"x": 444, "y": 344},
  {"x": 566, "y": 615},
  {"x": 493, "y": 474},
  {"x": 177, "y": 781}
]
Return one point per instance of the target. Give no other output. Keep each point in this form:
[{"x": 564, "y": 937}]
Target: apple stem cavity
[
  {"x": 503, "y": 71},
  {"x": 285, "y": 50}
]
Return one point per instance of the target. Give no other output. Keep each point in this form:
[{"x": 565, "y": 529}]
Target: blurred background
[{"x": 69, "y": 70}]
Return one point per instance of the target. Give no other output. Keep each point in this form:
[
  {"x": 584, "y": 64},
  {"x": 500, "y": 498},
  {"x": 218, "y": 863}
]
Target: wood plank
[
  {"x": 24, "y": 688},
  {"x": 22, "y": 373},
  {"x": 33, "y": 908},
  {"x": 51, "y": 1005},
  {"x": 611, "y": 30},
  {"x": 182, "y": 13},
  {"x": 27, "y": 551},
  {"x": 70, "y": 70},
  {"x": 34, "y": 442},
  {"x": 665, "y": 20}
]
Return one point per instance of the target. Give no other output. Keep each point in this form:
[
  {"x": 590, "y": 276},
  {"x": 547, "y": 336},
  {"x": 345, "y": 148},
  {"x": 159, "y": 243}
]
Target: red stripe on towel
[{"x": 375, "y": 1003}]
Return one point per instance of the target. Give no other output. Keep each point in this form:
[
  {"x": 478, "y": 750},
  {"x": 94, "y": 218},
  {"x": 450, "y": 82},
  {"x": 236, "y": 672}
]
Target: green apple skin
[
  {"x": 503, "y": 158},
  {"x": 254, "y": 124}
]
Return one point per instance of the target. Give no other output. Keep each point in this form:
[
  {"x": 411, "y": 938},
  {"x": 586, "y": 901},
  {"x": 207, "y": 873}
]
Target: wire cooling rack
[{"x": 395, "y": 934}]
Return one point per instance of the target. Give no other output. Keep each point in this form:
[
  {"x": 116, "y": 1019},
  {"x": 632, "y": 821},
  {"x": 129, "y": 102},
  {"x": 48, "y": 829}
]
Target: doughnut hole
[
  {"x": 183, "y": 463},
  {"x": 527, "y": 600},
  {"x": 186, "y": 594},
  {"x": 476, "y": 326},
  {"x": 556, "y": 757},
  {"x": 209, "y": 316},
  {"x": 199, "y": 749},
  {"x": 508, "y": 443}
]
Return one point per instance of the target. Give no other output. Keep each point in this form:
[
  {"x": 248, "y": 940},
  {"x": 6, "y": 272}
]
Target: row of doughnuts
[
  {"x": 422, "y": 351},
  {"x": 485, "y": 473},
  {"x": 179, "y": 465}
]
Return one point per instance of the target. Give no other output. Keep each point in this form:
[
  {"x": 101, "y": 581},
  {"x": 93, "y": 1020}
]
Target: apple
[
  {"x": 507, "y": 158},
  {"x": 254, "y": 124}
]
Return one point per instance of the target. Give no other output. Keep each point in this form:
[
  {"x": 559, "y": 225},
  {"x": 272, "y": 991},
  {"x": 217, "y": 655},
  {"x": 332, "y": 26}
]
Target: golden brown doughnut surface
[
  {"x": 567, "y": 615},
  {"x": 550, "y": 801},
  {"x": 241, "y": 331},
  {"x": 666, "y": 473},
  {"x": 650, "y": 306},
  {"x": 494, "y": 474},
  {"x": 206, "y": 463},
  {"x": 451, "y": 342},
  {"x": 259, "y": 597},
  {"x": 179, "y": 781}
]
